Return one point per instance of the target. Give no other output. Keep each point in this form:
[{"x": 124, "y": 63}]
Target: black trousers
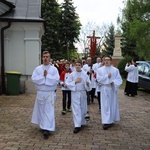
[
  {"x": 126, "y": 87},
  {"x": 66, "y": 94},
  {"x": 92, "y": 93},
  {"x": 131, "y": 88},
  {"x": 99, "y": 99},
  {"x": 90, "y": 96}
]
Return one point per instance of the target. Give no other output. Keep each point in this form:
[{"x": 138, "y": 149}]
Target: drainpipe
[{"x": 2, "y": 58}]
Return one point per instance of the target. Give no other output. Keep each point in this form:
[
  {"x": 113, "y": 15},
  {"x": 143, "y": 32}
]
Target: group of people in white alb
[{"x": 81, "y": 85}]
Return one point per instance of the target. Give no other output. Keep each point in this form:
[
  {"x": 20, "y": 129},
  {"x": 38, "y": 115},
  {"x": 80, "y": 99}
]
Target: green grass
[{"x": 123, "y": 83}]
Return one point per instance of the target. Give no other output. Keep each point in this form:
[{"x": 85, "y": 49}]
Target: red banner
[{"x": 92, "y": 46}]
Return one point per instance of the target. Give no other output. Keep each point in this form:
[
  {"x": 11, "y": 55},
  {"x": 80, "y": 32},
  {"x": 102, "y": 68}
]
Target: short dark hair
[
  {"x": 134, "y": 60},
  {"x": 46, "y": 52},
  {"x": 67, "y": 63},
  {"x": 79, "y": 61},
  {"x": 108, "y": 57},
  {"x": 73, "y": 60}
]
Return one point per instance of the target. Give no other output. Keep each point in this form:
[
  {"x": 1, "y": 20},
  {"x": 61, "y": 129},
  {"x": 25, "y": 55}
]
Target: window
[
  {"x": 140, "y": 68},
  {"x": 146, "y": 71}
]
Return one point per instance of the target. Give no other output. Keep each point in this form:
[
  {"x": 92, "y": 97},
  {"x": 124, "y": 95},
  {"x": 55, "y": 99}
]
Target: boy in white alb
[
  {"x": 110, "y": 79},
  {"x": 46, "y": 78},
  {"x": 78, "y": 82},
  {"x": 88, "y": 68}
]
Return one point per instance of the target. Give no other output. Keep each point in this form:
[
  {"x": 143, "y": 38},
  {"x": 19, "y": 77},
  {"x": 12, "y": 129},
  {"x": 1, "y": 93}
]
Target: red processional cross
[{"x": 93, "y": 43}]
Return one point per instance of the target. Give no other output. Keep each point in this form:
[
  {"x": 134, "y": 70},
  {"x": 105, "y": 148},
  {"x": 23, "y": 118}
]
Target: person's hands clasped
[
  {"x": 109, "y": 75},
  {"x": 112, "y": 83},
  {"x": 91, "y": 71},
  {"x": 45, "y": 73},
  {"x": 78, "y": 80},
  {"x": 65, "y": 86},
  {"x": 87, "y": 83}
]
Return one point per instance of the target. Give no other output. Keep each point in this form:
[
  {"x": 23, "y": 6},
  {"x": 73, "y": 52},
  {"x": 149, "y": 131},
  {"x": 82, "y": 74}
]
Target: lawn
[{"x": 123, "y": 83}]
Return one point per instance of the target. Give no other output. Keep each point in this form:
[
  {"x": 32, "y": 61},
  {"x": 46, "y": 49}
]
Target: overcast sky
[{"x": 98, "y": 11}]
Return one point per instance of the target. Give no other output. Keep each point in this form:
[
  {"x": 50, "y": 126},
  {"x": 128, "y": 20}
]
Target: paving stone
[{"x": 132, "y": 132}]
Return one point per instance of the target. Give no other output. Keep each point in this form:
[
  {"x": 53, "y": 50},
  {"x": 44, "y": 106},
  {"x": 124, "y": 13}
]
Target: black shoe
[
  {"x": 105, "y": 126},
  {"x": 46, "y": 134},
  {"x": 92, "y": 100},
  {"x": 76, "y": 130}
]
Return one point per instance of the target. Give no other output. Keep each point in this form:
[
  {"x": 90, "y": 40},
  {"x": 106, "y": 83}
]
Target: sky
[{"x": 98, "y": 11}]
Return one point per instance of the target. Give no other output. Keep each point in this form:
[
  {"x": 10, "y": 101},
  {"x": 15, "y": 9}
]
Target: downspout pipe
[{"x": 2, "y": 58}]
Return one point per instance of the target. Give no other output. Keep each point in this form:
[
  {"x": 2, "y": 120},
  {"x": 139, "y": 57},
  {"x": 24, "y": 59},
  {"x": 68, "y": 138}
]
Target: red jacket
[
  {"x": 61, "y": 68},
  {"x": 62, "y": 75}
]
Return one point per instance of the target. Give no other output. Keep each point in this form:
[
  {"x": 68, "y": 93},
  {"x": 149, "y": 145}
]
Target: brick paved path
[{"x": 133, "y": 131}]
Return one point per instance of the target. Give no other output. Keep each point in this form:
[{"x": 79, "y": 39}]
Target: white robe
[
  {"x": 132, "y": 73},
  {"x": 87, "y": 68},
  {"x": 43, "y": 112},
  {"x": 73, "y": 68},
  {"x": 78, "y": 96},
  {"x": 109, "y": 102},
  {"x": 96, "y": 66}
]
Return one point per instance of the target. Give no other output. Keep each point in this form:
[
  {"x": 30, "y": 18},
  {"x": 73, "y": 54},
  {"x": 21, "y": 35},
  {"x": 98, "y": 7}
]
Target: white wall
[
  {"x": 14, "y": 51},
  {"x": 22, "y": 48},
  {"x": 32, "y": 41}
]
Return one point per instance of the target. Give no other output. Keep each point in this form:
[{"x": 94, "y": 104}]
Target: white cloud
[{"x": 98, "y": 11}]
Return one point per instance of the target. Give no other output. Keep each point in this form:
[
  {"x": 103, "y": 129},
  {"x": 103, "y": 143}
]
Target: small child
[
  {"x": 78, "y": 82},
  {"x": 65, "y": 91}
]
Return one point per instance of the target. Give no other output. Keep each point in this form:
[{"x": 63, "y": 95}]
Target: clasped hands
[
  {"x": 78, "y": 80},
  {"x": 112, "y": 83},
  {"x": 109, "y": 76},
  {"x": 91, "y": 71},
  {"x": 45, "y": 73},
  {"x": 64, "y": 85}
]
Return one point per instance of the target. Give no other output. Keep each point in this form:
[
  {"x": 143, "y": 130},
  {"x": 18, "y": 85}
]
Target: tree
[
  {"x": 141, "y": 26},
  {"x": 110, "y": 40},
  {"x": 87, "y": 30},
  {"x": 69, "y": 28},
  {"x": 51, "y": 14},
  {"x": 128, "y": 44},
  {"x": 136, "y": 29}
]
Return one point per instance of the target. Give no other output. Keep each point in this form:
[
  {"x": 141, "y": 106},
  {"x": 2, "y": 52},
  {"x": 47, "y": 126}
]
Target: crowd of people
[{"x": 81, "y": 82}]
